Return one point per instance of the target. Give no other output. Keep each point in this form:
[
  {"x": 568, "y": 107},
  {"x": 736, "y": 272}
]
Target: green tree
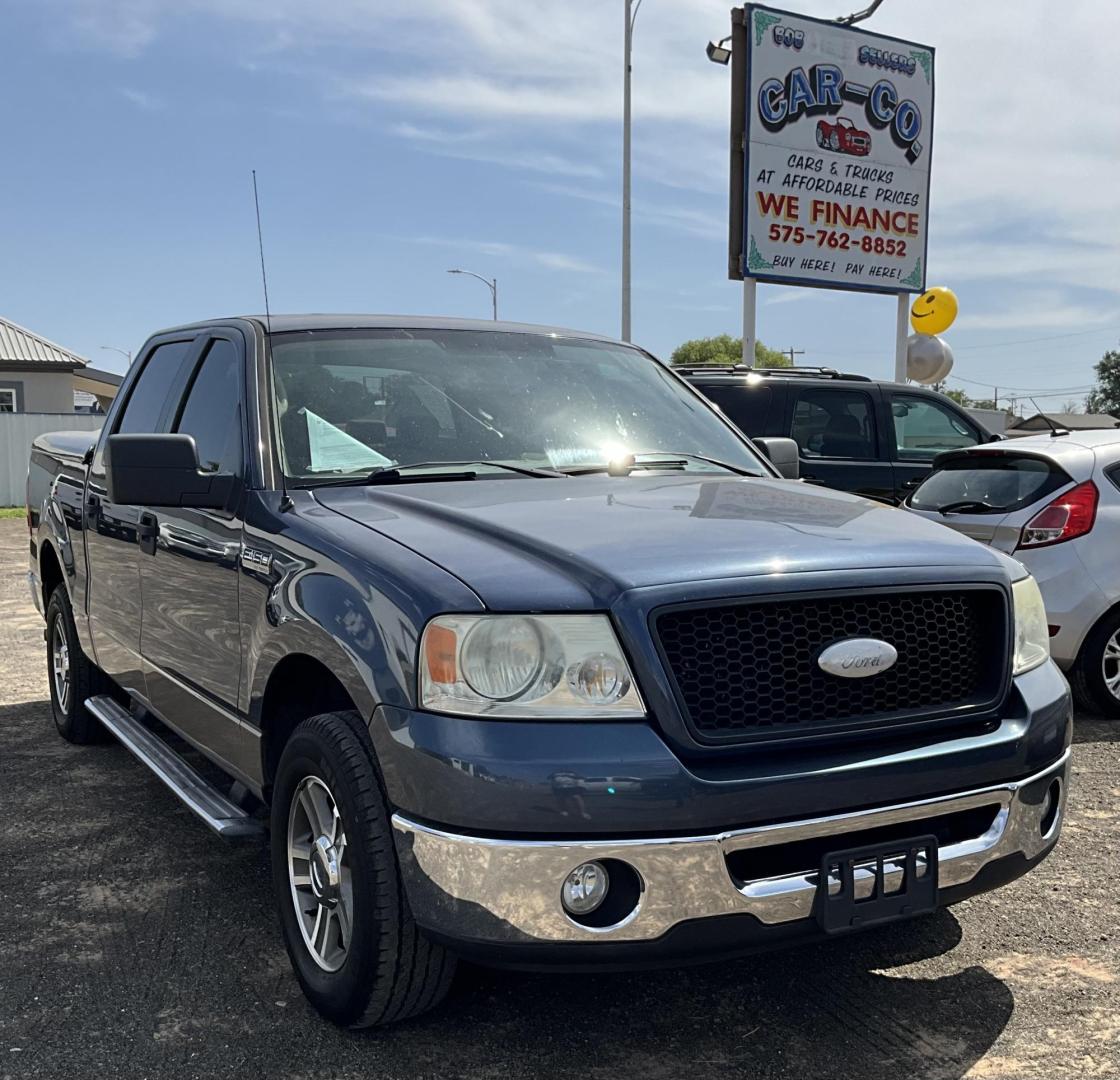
[
  {"x": 1105, "y": 397},
  {"x": 725, "y": 350}
]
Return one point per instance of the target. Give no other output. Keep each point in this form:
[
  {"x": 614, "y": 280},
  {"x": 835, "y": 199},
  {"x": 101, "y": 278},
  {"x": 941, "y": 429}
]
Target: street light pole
[
  {"x": 628, "y": 41},
  {"x": 126, "y": 353},
  {"x": 490, "y": 283}
]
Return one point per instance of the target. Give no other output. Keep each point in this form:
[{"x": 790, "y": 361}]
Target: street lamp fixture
[
  {"x": 718, "y": 52},
  {"x": 490, "y": 283},
  {"x": 126, "y": 353}
]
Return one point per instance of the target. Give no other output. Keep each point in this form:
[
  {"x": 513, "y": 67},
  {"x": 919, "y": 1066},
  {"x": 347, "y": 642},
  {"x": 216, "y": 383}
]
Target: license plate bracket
[{"x": 873, "y": 873}]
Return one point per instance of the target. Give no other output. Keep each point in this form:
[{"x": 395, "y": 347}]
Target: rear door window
[
  {"x": 747, "y": 407},
  {"x": 924, "y": 428},
  {"x": 992, "y": 483},
  {"x": 834, "y": 424}
]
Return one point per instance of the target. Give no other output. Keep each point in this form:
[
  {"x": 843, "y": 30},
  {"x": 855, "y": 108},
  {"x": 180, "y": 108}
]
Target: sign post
[{"x": 831, "y": 140}]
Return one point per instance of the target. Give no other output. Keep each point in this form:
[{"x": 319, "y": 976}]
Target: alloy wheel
[
  {"x": 60, "y": 666},
  {"x": 319, "y": 873},
  {"x": 1110, "y": 665}
]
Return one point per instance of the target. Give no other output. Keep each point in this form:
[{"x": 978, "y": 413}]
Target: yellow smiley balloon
[{"x": 934, "y": 311}]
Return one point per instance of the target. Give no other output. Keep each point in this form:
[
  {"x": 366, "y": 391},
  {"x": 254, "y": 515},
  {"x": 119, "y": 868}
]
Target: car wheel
[
  {"x": 71, "y": 675},
  {"x": 1095, "y": 676},
  {"x": 355, "y": 947},
  {"x": 834, "y": 141},
  {"x": 821, "y": 142}
]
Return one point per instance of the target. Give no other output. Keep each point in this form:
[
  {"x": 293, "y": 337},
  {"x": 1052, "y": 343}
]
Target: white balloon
[{"x": 928, "y": 358}]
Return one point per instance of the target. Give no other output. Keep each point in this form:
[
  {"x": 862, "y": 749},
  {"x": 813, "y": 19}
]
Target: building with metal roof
[{"x": 38, "y": 376}]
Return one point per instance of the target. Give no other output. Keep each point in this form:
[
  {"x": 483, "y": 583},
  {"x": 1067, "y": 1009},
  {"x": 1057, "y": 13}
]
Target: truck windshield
[
  {"x": 349, "y": 402},
  {"x": 993, "y": 482}
]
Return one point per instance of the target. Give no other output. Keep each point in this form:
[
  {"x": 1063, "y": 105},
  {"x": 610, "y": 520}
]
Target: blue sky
[{"x": 396, "y": 139}]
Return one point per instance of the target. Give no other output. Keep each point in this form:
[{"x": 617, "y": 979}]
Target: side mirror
[
  {"x": 162, "y": 470},
  {"x": 783, "y": 454}
]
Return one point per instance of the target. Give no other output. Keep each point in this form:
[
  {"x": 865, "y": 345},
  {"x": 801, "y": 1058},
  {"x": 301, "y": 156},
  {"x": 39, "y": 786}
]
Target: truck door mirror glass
[
  {"x": 783, "y": 455},
  {"x": 162, "y": 470}
]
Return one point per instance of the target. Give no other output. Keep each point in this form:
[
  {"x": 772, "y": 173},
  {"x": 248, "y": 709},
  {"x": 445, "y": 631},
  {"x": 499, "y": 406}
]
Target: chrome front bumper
[{"x": 508, "y": 891}]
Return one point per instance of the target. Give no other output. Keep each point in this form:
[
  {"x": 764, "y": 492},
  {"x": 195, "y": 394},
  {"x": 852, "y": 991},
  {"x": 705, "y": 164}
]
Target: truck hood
[{"x": 580, "y": 542}]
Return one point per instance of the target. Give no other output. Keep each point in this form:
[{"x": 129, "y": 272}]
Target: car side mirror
[
  {"x": 783, "y": 454},
  {"x": 996, "y": 437},
  {"x": 162, "y": 470}
]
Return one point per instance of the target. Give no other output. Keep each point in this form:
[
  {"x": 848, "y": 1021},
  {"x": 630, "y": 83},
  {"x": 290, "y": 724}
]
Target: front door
[
  {"x": 113, "y": 530},
  {"x": 191, "y": 641},
  {"x": 923, "y": 427},
  {"x": 839, "y": 440}
]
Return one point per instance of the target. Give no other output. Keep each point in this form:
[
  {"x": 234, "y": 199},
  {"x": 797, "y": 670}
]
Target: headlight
[
  {"x": 1032, "y": 635},
  {"x": 526, "y": 666}
]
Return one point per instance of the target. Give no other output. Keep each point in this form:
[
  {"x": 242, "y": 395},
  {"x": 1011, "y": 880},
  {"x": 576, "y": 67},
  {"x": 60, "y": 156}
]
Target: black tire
[
  {"x": 74, "y": 722},
  {"x": 1087, "y": 676},
  {"x": 391, "y": 971}
]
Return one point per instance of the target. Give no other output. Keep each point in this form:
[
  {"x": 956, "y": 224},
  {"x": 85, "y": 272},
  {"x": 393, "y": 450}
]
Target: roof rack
[{"x": 793, "y": 371}]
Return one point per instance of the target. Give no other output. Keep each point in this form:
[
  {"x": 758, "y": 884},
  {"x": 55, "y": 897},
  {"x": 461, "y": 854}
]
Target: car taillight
[{"x": 1069, "y": 516}]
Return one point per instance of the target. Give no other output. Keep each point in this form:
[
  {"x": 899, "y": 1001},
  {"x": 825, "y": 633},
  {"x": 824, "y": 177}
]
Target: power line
[
  {"x": 1031, "y": 341},
  {"x": 1024, "y": 389},
  {"x": 866, "y": 352}
]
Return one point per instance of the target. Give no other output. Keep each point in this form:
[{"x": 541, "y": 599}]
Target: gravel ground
[{"x": 135, "y": 944}]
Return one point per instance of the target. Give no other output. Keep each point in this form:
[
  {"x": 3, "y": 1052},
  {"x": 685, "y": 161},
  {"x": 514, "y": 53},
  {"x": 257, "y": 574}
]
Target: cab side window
[
  {"x": 834, "y": 424},
  {"x": 745, "y": 406},
  {"x": 924, "y": 427},
  {"x": 212, "y": 409},
  {"x": 149, "y": 395}
]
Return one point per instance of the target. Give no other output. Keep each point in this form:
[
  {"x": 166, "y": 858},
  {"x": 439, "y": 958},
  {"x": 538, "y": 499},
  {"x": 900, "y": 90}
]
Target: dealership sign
[{"x": 837, "y": 136}]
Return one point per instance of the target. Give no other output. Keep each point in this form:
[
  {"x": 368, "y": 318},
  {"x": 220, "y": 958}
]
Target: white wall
[
  {"x": 42, "y": 391},
  {"x": 17, "y": 430}
]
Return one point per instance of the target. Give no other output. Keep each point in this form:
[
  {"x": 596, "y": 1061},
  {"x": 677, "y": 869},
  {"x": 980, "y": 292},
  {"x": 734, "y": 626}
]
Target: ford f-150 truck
[{"x": 521, "y": 652}]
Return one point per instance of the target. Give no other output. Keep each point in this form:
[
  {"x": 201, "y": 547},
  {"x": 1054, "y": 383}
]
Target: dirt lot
[{"x": 134, "y": 944}]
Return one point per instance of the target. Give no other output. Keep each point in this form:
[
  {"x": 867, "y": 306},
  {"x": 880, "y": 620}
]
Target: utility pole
[{"x": 791, "y": 352}]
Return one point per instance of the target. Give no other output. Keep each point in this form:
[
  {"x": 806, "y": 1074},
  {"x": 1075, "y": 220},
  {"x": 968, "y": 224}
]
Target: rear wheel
[
  {"x": 70, "y": 673},
  {"x": 355, "y": 948},
  {"x": 834, "y": 141},
  {"x": 1095, "y": 676}
]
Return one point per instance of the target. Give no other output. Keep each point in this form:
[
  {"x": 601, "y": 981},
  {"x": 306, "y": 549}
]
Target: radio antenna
[{"x": 260, "y": 245}]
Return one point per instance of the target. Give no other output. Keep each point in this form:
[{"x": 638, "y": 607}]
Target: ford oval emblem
[{"x": 858, "y": 657}]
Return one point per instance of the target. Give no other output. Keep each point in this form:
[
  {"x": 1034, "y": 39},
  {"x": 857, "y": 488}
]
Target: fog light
[
  {"x": 1049, "y": 809},
  {"x": 585, "y": 888}
]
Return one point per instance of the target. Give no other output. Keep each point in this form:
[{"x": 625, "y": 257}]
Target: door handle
[{"x": 147, "y": 532}]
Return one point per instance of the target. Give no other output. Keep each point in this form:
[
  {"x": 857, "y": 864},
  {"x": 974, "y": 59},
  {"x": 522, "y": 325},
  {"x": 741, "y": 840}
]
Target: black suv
[{"x": 870, "y": 438}]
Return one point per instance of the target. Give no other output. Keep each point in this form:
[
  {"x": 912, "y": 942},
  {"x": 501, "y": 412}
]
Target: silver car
[{"x": 1052, "y": 501}]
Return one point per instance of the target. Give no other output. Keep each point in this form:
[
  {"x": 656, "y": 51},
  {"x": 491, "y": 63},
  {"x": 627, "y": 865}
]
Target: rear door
[
  {"x": 839, "y": 438},
  {"x": 191, "y": 641},
  {"x": 113, "y": 530},
  {"x": 921, "y": 427},
  {"x": 989, "y": 495}
]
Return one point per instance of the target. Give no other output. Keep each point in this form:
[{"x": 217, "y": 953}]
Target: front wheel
[
  {"x": 355, "y": 948},
  {"x": 1095, "y": 677}
]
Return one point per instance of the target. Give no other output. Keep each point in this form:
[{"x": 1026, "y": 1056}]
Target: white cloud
[
  {"x": 1026, "y": 131},
  {"x": 142, "y": 100},
  {"x": 512, "y": 253}
]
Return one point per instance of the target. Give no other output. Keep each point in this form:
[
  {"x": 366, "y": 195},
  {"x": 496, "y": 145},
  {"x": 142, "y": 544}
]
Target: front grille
[{"x": 748, "y": 670}]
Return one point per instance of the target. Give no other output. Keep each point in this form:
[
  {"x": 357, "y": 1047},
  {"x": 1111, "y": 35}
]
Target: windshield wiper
[
  {"x": 391, "y": 474},
  {"x": 974, "y": 506},
  {"x": 663, "y": 459}
]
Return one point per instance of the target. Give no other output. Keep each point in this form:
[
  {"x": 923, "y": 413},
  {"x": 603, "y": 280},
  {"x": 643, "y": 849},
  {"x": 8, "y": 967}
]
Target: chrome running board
[{"x": 223, "y": 815}]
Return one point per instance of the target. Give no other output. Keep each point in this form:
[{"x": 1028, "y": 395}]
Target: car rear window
[{"x": 989, "y": 483}]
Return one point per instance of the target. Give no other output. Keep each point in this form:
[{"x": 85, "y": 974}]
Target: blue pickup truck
[{"x": 519, "y": 651}]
